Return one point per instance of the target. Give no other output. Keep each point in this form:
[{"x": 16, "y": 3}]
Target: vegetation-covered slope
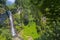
[{"x": 33, "y": 20}]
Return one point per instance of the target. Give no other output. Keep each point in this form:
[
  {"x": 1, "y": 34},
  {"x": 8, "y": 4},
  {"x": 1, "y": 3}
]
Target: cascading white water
[
  {"x": 10, "y": 3},
  {"x": 11, "y": 23}
]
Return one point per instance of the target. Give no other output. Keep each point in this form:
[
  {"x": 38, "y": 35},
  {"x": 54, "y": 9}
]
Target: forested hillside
[{"x": 32, "y": 19}]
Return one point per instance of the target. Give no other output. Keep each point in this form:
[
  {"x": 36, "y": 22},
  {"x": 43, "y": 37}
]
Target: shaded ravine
[{"x": 3, "y": 17}]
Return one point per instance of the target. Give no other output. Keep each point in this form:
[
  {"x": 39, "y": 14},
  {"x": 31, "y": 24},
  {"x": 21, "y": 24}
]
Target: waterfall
[
  {"x": 15, "y": 36},
  {"x": 11, "y": 23},
  {"x": 10, "y": 3}
]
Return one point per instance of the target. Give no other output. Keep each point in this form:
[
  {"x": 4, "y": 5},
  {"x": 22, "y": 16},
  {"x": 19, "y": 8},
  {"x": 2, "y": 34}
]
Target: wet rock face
[{"x": 3, "y": 18}]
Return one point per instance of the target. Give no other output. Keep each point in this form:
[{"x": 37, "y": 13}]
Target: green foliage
[
  {"x": 29, "y": 30},
  {"x": 42, "y": 18},
  {"x": 5, "y": 34}
]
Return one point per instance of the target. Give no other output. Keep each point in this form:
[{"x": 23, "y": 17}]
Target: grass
[{"x": 29, "y": 30}]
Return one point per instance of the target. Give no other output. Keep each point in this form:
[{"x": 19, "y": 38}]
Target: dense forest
[{"x": 32, "y": 19}]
